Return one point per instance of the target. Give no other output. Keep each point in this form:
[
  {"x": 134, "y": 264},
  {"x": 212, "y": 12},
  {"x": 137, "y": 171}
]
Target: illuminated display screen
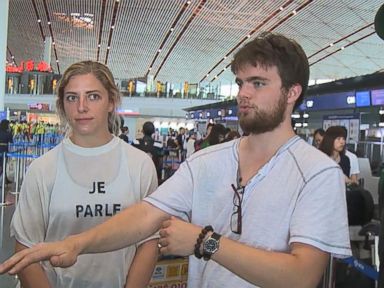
[
  {"x": 363, "y": 99},
  {"x": 340, "y": 100},
  {"x": 377, "y": 97}
]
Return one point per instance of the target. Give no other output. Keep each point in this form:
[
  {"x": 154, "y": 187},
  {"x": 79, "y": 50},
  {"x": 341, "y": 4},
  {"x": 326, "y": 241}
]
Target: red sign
[
  {"x": 29, "y": 66},
  {"x": 39, "y": 106}
]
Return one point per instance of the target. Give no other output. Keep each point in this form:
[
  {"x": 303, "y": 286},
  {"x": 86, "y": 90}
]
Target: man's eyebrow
[{"x": 253, "y": 78}]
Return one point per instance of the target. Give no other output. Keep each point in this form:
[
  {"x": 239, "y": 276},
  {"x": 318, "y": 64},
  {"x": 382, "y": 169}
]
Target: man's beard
[{"x": 258, "y": 121}]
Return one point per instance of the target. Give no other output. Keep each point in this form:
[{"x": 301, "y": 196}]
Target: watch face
[{"x": 211, "y": 246}]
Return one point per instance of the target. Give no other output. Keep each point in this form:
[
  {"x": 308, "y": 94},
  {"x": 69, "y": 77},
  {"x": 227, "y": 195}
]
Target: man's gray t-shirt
[{"x": 298, "y": 196}]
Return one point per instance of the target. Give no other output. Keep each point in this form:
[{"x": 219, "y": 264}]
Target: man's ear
[{"x": 294, "y": 93}]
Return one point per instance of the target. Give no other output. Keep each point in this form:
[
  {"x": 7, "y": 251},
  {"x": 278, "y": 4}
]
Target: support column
[
  {"x": 4, "y": 7},
  {"x": 47, "y": 50}
]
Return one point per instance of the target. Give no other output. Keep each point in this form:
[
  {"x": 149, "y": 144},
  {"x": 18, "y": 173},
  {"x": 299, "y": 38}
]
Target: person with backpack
[{"x": 153, "y": 148}]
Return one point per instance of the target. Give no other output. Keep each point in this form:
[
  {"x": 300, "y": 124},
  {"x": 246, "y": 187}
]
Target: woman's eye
[
  {"x": 93, "y": 96},
  {"x": 71, "y": 98}
]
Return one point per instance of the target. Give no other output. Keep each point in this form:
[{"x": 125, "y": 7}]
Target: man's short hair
[
  {"x": 148, "y": 128},
  {"x": 319, "y": 131},
  {"x": 271, "y": 49}
]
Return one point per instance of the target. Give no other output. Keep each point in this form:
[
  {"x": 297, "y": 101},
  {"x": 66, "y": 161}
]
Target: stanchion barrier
[
  {"x": 22, "y": 162},
  {"x": 20, "y": 154},
  {"x": 3, "y": 203},
  {"x": 329, "y": 277},
  {"x": 364, "y": 268}
]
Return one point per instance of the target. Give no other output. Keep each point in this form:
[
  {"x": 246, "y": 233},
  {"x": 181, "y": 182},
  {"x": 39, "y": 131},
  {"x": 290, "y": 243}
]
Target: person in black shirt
[
  {"x": 124, "y": 133},
  {"x": 5, "y": 138},
  {"x": 150, "y": 146}
]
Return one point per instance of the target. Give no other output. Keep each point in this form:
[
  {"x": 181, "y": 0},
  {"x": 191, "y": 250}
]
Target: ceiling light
[
  {"x": 330, "y": 45},
  {"x": 112, "y": 27},
  {"x": 225, "y": 57},
  {"x": 172, "y": 29},
  {"x": 248, "y": 36},
  {"x": 49, "y": 23},
  {"x": 207, "y": 75},
  {"x": 294, "y": 12},
  {"x": 98, "y": 45},
  {"x": 38, "y": 20},
  {"x": 108, "y": 47},
  {"x": 159, "y": 50},
  {"x": 57, "y": 61},
  {"x": 150, "y": 68},
  {"x": 53, "y": 43},
  {"x": 281, "y": 8},
  {"x": 342, "y": 48},
  {"x": 215, "y": 77},
  {"x": 13, "y": 57},
  {"x": 188, "y": 2}
]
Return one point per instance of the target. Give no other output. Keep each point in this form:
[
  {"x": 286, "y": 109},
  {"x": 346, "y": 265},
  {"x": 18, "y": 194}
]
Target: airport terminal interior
[{"x": 171, "y": 63}]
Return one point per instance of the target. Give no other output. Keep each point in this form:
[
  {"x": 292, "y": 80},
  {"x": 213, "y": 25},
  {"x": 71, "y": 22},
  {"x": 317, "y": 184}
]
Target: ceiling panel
[{"x": 205, "y": 34}]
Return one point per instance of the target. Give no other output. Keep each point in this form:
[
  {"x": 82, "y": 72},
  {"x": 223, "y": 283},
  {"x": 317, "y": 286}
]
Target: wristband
[{"x": 200, "y": 239}]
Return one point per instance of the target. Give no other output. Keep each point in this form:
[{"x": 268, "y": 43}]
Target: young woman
[
  {"x": 333, "y": 144},
  {"x": 83, "y": 181}
]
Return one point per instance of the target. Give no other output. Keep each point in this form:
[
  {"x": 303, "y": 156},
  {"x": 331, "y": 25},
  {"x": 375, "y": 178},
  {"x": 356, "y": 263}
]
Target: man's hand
[
  {"x": 178, "y": 237},
  {"x": 60, "y": 254}
]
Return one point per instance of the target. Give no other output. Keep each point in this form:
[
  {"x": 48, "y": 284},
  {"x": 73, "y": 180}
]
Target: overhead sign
[
  {"x": 39, "y": 106},
  {"x": 29, "y": 66}
]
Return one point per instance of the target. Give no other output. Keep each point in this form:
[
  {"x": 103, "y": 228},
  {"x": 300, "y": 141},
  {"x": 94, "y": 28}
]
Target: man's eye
[
  {"x": 258, "y": 84},
  {"x": 71, "y": 98}
]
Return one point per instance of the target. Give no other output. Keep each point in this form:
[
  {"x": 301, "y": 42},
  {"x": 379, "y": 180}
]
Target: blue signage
[{"x": 363, "y": 98}]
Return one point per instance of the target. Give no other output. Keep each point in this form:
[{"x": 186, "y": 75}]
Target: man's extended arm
[{"x": 130, "y": 226}]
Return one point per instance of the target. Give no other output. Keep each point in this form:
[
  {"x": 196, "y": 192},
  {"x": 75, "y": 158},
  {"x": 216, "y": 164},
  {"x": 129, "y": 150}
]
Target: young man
[{"x": 276, "y": 204}]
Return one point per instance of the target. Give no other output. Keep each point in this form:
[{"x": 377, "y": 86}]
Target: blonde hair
[{"x": 104, "y": 75}]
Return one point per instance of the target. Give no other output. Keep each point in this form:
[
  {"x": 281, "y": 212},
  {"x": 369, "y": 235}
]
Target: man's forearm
[
  {"x": 126, "y": 228},
  {"x": 302, "y": 267}
]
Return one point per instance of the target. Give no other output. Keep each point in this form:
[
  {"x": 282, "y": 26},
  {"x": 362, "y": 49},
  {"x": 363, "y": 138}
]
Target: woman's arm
[
  {"x": 142, "y": 265},
  {"x": 33, "y": 275}
]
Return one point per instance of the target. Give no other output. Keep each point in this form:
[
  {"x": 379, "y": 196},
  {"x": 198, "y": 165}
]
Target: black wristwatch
[{"x": 211, "y": 245}]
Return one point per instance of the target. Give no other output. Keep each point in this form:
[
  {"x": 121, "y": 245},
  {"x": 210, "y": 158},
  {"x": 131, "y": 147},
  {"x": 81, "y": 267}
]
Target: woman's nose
[{"x": 82, "y": 107}]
